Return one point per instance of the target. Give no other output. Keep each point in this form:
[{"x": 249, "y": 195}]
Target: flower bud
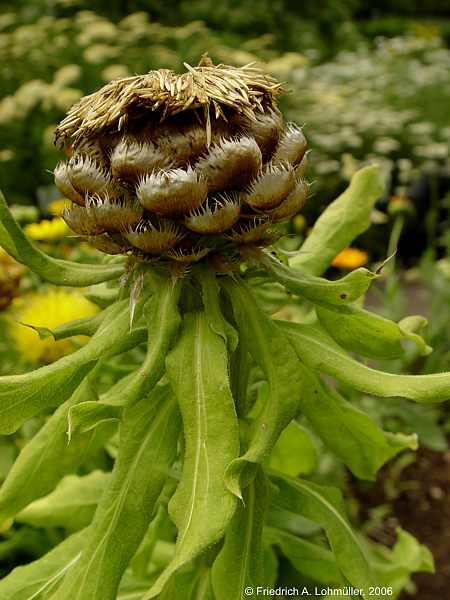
[{"x": 174, "y": 167}]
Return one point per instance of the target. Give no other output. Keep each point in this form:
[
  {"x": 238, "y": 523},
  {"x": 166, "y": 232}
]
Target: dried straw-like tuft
[{"x": 213, "y": 88}]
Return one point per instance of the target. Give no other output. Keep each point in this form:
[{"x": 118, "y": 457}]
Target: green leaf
[
  {"x": 54, "y": 270},
  {"x": 270, "y": 566},
  {"x": 211, "y": 302},
  {"x": 31, "y": 581},
  {"x": 163, "y": 320},
  {"x": 25, "y": 396},
  {"x": 201, "y": 507},
  {"x": 102, "y": 294},
  {"x": 419, "y": 418},
  {"x": 410, "y": 326},
  {"x": 182, "y": 586},
  {"x": 319, "y": 351},
  {"x": 141, "y": 560},
  {"x": 294, "y": 453},
  {"x": 240, "y": 369},
  {"x": 312, "y": 561},
  {"x": 85, "y": 416},
  {"x": 321, "y": 291},
  {"x": 87, "y": 326},
  {"x": 148, "y": 441},
  {"x": 347, "y": 431},
  {"x": 71, "y": 505},
  {"x": 325, "y": 506},
  {"x": 273, "y": 353},
  {"x": 395, "y": 567},
  {"x": 358, "y": 330},
  {"x": 341, "y": 222},
  {"x": 239, "y": 563},
  {"x": 47, "y": 457}
]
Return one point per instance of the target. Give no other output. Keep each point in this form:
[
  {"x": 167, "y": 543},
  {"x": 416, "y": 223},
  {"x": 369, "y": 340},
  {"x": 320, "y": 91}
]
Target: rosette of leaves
[{"x": 192, "y": 508}]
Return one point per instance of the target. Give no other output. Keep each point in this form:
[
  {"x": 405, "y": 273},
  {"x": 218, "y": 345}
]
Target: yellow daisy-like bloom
[
  {"x": 49, "y": 310},
  {"x": 46, "y": 230},
  {"x": 350, "y": 258},
  {"x": 56, "y": 207}
]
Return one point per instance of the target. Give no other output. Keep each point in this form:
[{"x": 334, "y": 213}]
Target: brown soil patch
[{"x": 421, "y": 506}]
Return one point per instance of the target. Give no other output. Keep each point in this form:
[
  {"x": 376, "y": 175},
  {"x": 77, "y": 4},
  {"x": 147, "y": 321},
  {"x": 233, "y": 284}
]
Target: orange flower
[{"x": 350, "y": 258}]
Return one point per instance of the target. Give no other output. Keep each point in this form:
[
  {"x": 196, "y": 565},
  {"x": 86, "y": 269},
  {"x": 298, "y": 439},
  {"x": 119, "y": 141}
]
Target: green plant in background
[{"x": 182, "y": 180}]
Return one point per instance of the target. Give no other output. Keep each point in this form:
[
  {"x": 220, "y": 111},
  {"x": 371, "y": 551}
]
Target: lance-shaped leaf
[
  {"x": 148, "y": 441},
  {"x": 87, "y": 326},
  {"x": 40, "y": 577},
  {"x": 367, "y": 333},
  {"x": 321, "y": 291},
  {"x": 325, "y": 506},
  {"x": 71, "y": 505},
  {"x": 201, "y": 507},
  {"x": 211, "y": 302},
  {"x": 341, "y": 222},
  {"x": 313, "y": 561},
  {"x": 347, "y": 431},
  {"x": 47, "y": 457},
  {"x": 162, "y": 319},
  {"x": 54, "y": 270},
  {"x": 273, "y": 353},
  {"x": 24, "y": 396},
  {"x": 319, "y": 351},
  {"x": 239, "y": 563}
]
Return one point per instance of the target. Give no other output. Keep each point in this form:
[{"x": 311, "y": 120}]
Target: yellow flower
[
  {"x": 299, "y": 223},
  {"x": 56, "y": 207},
  {"x": 46, "y": 230},
  {"x": 49, "y": 310},
  {"x": 350, "y": 258},
  {"x": 400, "y": 205}
]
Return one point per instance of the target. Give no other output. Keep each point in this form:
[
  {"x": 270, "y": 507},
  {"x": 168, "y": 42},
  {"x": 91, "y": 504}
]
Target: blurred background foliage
[
  {"x": 369, "y": 81},
  {"x": 369, "y": 84}
]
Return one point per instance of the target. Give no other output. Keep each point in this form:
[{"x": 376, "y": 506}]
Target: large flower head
[{"x": 173, "y": 167}]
